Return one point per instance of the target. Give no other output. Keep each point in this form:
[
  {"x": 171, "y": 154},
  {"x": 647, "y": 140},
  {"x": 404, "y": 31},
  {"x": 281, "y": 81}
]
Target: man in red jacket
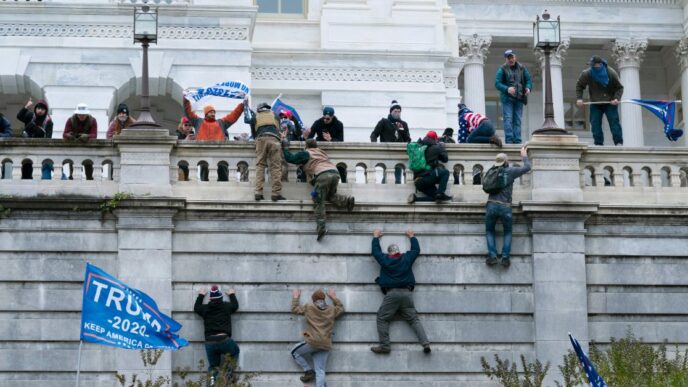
[{"x": 81, "y": 125}]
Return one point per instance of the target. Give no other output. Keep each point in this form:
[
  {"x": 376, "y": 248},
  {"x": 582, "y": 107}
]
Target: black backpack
[{"x": 495, "y": 179}]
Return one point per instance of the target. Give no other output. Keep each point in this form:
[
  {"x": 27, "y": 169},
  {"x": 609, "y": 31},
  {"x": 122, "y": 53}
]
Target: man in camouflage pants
[{"x": 324, "y": 177}]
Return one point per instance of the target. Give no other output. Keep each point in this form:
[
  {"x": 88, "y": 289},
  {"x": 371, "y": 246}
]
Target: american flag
[
  {"x": 468, "y": 120},
  {"x": 593, "y": 377}
]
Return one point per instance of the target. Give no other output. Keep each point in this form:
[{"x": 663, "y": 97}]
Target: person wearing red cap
[
  {"x": 432, "y": 183},
  {"x": 217, "y": 324}
]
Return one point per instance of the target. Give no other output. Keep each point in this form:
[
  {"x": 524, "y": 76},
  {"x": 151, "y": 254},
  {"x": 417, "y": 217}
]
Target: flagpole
[
  {"x": 78, "y": 363},
  {"x": 622, "y": 101}
]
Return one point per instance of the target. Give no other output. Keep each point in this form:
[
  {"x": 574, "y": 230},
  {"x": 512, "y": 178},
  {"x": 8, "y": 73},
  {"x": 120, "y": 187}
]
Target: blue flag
[
  {"x": 665, "y": 111},
  {"x": 278, "y": 106},
  {"x": 594, "y": 378},
  {"x": 114, "y": 314}
]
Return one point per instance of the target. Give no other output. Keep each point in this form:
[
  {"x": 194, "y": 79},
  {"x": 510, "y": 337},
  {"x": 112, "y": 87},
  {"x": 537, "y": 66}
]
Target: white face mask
[{"x": 396, "y": 115}]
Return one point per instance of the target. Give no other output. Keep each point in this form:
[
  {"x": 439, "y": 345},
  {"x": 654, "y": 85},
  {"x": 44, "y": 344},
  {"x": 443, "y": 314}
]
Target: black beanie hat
[
  {"x": 122, "y": 108},
  {"x": 394, "y": 105}
]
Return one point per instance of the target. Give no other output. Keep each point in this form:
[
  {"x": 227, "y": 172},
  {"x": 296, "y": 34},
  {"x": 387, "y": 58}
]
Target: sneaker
[
  {"x": 308, "y": 376},
  {"x": 350, "y": 203},
  {"x": 491, "y": 261},
  {"x": 411, "y": 199},
  {"x": 380, "y": 349},
  {"x": 211, "y": 382},
  {"x": 506, "y": 262},
  {"x": 321, "y": 233},
  {"x": 259, "y": 197},
  {"x": 426, "y": 349},
  {"x": 496, "y": 140},
  {"x": 442, "y": 197},
  {"x": 277, "y": 197}
]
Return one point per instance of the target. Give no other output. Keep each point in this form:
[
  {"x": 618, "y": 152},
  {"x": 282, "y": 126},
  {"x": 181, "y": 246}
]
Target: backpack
[
  {"x": 416, "y": 154},
  {"x": 495, "y": 179}
]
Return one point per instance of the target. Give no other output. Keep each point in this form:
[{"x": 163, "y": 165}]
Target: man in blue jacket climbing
[{"x": 397, "y": 282}]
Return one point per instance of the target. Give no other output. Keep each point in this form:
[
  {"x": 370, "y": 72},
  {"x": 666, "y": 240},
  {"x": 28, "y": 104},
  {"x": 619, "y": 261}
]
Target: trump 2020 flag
[
  {"x": 594, "y": 378},
  {"x": 114, "y": 314},
  {"x": 665, "y": 111},
  {"x": 278, "y": 105}
]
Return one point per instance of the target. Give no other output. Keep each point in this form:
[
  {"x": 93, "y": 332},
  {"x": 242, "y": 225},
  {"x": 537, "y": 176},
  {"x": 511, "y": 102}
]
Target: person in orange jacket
[{"x": 208, "y": 128}]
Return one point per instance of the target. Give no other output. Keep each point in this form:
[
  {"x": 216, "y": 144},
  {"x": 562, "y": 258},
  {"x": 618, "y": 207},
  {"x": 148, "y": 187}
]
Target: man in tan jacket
[
  {"x": 323, "y": 175},
  {"x": 318, "y": 334}
]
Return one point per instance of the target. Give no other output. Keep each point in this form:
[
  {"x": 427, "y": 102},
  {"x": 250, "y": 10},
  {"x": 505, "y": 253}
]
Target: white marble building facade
[{"x": 356, "y": 55}]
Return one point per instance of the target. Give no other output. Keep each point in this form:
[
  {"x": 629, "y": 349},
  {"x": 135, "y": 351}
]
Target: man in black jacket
[
  {"x": 218, "y": 327},
  {"x": 328, "y": 127},
  {"x": 392, "y": 128},
  {"x": 37, "y": 122},
  {"x": 432, "y": 183}
]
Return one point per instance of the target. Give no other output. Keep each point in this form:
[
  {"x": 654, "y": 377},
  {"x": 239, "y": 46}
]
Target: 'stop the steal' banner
[
  {"x": 229, "y": 89},
  {"x": 114, "y": 314}
]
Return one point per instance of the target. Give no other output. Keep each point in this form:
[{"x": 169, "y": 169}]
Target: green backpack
[
  {"x": 495, "y": 179},
  {"x": 416, "y": 155}
]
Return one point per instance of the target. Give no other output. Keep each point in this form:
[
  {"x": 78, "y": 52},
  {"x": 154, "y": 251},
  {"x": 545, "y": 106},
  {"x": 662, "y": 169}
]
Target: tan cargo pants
[{"x": 268, "y": 151}]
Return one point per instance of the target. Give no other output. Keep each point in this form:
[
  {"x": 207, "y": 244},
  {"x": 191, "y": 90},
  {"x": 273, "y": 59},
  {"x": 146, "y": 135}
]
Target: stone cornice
[
  {"x": 474, "y": 48},
  {"x": 262, "y": 73},
  {"x": 121, "y": 31},
  {"x": 556, "y": 57},
  {"x": 629, "y": 52}
]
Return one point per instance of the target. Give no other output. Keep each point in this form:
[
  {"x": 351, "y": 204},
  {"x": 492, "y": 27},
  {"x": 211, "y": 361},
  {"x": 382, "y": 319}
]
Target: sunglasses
[{"x": 327, "y": 115}]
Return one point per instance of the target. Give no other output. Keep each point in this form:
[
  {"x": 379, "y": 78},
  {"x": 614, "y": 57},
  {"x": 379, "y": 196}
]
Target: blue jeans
[
  {"x": 494, "y": 212},
  {"x": 426, "y": 184},
  {"x": 215, "y": 351},
  {"x": 482, "y": 134},
  {"x": 512, "y": 110},
  {"x": 612, "y": 113}
]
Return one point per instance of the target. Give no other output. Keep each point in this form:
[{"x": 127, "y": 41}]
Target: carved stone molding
[
  {"x": 474, "y": 48},
  {"x": 346, "y": 75},
  {"x": 556, "y": 57},
  {"x": 451, "y": 82},
  {"x": 629, "y": 52},
  {"x": 681, "y": 52},
  {"x": 121, "y": 31}
]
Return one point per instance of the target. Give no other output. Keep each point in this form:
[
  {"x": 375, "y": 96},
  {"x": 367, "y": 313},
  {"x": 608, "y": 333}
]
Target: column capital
[
  {"x": 629, "y": 52},
  {"x": 681, "y": 52},
  {"x": 474, "y": 47},
  {"x": 556, "y": 57}
]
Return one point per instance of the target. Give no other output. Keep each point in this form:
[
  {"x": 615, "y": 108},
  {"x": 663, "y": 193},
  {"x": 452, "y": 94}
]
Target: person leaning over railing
[
  {"x": 122, "y": 121},
  {"x": 37, "y": 123},
  {"x": 81, "y": 126},
  {"x": 328, "y": 127}
]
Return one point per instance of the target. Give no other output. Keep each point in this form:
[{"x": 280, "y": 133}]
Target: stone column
[
  {"x": 556, "y": 60},
  {"x": 629, "y": 54},
  {"x": 145, "y": 161},
  {"x": 452, "y": 68},
  {"x": 682, "y": 57},
  {"x": 475, "y": 49}
]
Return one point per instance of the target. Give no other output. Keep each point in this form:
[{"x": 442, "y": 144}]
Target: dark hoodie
[
  {"x": 36, "y": 126},
  {"x": 387, "y": 130},
  {"x": 335, "y": 128},
  {"x": 216, "y": 314}
]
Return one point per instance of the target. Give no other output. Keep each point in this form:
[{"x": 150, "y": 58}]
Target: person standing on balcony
[
  {"x": 37, "y": 123},
  {"x": 81, "y": 126},
  {"x": 5, "y": 127},
  {"x": 122, "y": 121},
  {"x": 208, "y": 128},
  {"x": 217, "y": 326},
  {"x": 499, "y": 208},
  {"x": 317, "y": 337},
  {"x": 432, "y": 183},
  {"x": 476, "y": 128},
  {"x": 514, "y": 84},
  {"x": 397, "y": 283},
  {"x": 603, "y": 86},
  {"x": 328, "y": 127},
  {"x": 324, "y": 177},
  {"x": 265, "y": 130},
  {"x": 392, "y": 128}
]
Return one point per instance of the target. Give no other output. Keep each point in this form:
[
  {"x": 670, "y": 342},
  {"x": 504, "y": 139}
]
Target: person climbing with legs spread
[
  {"x": 397, "y": 283},
  {"x": 317, "y": 337},
  {"x": 324, "y": 177},
  {"x": 499, "y": 183}
]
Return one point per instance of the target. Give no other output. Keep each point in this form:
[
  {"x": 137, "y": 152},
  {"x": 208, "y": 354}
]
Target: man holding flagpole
[{"x": 605, "y": 91}]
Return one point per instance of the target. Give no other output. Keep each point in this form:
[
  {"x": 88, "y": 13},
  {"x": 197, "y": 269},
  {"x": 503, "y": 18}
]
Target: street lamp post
[
  {"x": 547, "y": 36},
  {"x": 145, "y": 32}
]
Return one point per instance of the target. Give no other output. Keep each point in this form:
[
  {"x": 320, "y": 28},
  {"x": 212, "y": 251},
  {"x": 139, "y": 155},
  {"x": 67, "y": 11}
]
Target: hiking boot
[
  {"x": 426, "y": 349},
  {"x": 277, "y": 197},
  {"x": 308, "y": 376},
  {"x": 321, "y": 233},
  {"x": 491, "y": 261},
  {"x": 259, "y": 197},
  {"x": 506, "y": 262},
  {"x": 442, "y": 197},
  {"x": 496, "y": 140},
  {"x": 350, "y": 203},
  {"x": 411, "y": 199},
  {"x": 380, "y": 349}
]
